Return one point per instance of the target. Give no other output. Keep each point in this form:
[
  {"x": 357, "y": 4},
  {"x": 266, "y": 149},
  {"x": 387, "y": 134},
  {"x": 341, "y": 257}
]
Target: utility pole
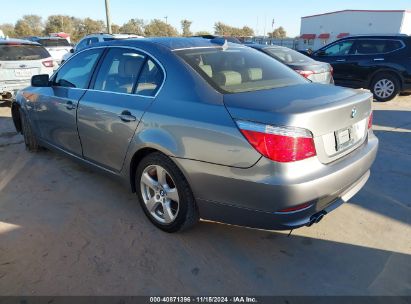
[
  {"x": 108, "y": 17},
  {"x": 166, "y": 18}
]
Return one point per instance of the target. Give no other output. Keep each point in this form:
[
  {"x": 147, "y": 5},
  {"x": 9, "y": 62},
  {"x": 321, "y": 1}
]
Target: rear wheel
[
  {"x": 164, "y": 194},
  {"x": 385, "y": 87},
  {"x": 30, "y": 139}
]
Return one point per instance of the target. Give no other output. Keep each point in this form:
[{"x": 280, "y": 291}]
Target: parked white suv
[
  {"x": 56, "y": 46},
  {"x": 19, "y": 60},
  {"x": 95, "y": 38}
]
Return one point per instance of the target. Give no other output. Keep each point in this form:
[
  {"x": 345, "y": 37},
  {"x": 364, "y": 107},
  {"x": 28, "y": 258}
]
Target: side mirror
[
  {"x": 72, "y": 51},
  {"x": 42, "y": 80}
]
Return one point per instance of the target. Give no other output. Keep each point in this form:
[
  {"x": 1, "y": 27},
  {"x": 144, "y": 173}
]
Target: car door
[
  {"x": 337, "y": 54},
  {"x": 124, "y": 87},
  {"x": 371, "y": 55},
  {"x": 56, "y": 106}
]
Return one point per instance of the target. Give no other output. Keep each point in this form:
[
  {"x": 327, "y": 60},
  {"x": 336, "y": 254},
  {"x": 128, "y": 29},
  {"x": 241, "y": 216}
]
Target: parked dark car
[
  {"x": 200, "y": 129},
  {"x": 309, "y": 68},
  {"x": 380, "y": 63}
]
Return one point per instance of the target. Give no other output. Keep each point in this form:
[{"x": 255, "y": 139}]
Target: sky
[{"x": 258, "y": 14}]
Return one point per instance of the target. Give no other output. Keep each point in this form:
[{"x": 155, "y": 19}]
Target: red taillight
[
  {"x": 48, "y": 63},
  {"x": 281, "y": 144},
  {"x": 370, "y": 120},
  {"x": 305, "y": 74}
]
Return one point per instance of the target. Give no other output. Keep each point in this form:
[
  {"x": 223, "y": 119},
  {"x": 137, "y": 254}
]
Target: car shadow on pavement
[
  {"x": 65, "y": 230},
  {"x": 388, "y": 190}
]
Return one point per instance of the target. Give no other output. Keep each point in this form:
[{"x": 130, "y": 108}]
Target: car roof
[
  {"x": 176, "y": 43},
  {"x": 18, "y": 41},
  {"x": 378, "y": 36},
  {"x": 265, "y": 46}
]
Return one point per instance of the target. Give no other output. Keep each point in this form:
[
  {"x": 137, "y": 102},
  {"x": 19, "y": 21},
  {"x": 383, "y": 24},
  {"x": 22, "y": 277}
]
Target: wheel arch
[{"x": 386, "y": 71}]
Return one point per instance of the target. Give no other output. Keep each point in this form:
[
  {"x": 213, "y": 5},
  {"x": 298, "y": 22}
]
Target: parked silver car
[
  {"x": 19, "y": 60},
  {"x": 205, "y": 129}
]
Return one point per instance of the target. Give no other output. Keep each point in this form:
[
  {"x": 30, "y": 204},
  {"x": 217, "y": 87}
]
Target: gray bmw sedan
[{"x": 204, "y": 129}]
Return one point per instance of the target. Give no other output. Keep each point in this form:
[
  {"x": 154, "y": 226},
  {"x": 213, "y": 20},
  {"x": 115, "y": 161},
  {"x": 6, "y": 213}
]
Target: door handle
[
  {"x": 340, "y": 60},
  {"x": 127, "y": 117},
  {"x": 378, "y": 59},
  {"x": 70, "y": 105}
]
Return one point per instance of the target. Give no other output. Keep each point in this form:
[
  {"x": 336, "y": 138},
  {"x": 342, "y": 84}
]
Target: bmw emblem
[{"x": 353, "y": 112}]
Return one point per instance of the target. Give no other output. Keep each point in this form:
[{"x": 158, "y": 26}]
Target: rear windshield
[
  {"x": 9, "y": 52},
  {"x": 239, "y": 69},
  {"x": 53, "y": 42},
  {"x": 288, "y": 56}
]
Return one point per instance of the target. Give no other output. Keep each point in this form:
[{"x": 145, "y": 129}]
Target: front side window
[
  {"x": 76, "y": 73},
  {"x": 339, "y": 49},
  {"x": 239, "y": 69},
  {"x": 14, "y": 52},
  {"x": 119, "y": 71}
]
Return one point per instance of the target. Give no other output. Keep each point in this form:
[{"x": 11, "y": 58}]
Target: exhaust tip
[{"x": 316, "y": 218}]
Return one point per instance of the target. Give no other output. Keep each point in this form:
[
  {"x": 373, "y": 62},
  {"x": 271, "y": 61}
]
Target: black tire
[
  {"x": 385, "y": 77},
  {"x": 30, "y": 139},
  {"x": 187, "y": 215}
]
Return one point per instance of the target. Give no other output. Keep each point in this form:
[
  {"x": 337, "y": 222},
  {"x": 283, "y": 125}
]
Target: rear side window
[
  {"x": 239, "y": 69},
  {"x": 13, "y": 52},
  {"x": 119, "y": 71},
  {"x": 53, "y": 42},
  {"x": 76, "y": 73},
  {"x": 376, "y": 46},
  {"x": 288, "y": 56},
  {"x": 150, "y": 79}
]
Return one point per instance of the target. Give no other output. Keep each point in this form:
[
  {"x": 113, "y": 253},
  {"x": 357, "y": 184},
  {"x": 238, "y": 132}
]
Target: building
[{"x": 319, "y": 30}]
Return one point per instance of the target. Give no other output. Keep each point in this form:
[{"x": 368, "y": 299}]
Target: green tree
[
  {"x": 133, "y": 26},
  {"x": 185, "y": 26},
  {"x": 115, "y": 29},
  {"x": 278, "y": 33},
  {"x": 223, "y": 29},
  {"x": 202, "y": 33},
  {"x": 22, "y": 29},
  {"x": 59, "y": 23},
  {"x": 159, "y": 28},
  {"x": 35, "y": 23},
  {"x": 8, "y": 29}
]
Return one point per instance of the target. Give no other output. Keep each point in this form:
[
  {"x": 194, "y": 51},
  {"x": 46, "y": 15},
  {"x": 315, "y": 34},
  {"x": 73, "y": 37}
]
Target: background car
[
  {"x": 203, "y": 129},
  {"x": 228, "y": 38},
  {"x": 19, "y": 61},
  {"x": 381, "y": 63},
  {"x": 56, "y": 46},
  {"x": 96, "y": 38},
  {"x": 315, "y": 71}
]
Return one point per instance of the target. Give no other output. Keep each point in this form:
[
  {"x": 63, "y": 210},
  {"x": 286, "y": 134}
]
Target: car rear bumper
[{"x": 253, "y": 197}]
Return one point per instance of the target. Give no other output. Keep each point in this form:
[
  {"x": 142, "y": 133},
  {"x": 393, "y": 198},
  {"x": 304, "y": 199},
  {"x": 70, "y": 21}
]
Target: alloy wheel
[
  {"x": 160, "y": 194},
  {"x": 384, "y": 88}
]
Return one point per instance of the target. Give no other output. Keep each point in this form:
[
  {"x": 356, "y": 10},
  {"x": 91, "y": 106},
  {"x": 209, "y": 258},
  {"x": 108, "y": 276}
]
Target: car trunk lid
[{"x": 337, "y": 117}]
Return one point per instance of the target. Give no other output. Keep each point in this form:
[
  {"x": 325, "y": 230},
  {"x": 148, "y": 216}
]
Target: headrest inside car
[{"x": 228, "y": 78}]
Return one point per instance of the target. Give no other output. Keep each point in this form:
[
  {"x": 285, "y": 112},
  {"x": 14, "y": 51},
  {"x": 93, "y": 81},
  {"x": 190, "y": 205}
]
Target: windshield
[
  {"x": 53, "y": 42},
  {"x": 288, "y": 56},
  {"x": 239, "y": 69},
  {"x": 9, "y": 52}
]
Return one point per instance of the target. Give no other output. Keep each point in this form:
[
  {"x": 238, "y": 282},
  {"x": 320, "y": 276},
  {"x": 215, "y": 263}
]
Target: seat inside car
[{"x": 128, "y": 69}]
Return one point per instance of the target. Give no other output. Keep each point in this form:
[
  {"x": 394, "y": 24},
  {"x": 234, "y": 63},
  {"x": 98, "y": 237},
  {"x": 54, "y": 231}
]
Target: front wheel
[
  {"x": 30, "y": 139},
  {"x": 165, "y": 194},
  {"x": 385, "y": 87}
]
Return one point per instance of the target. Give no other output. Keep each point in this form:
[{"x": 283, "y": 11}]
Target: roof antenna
[{"x": 225, "y": 45}]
